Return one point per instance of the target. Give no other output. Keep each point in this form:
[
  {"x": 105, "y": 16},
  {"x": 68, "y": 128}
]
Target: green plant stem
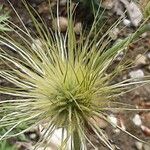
[
  {"x": 76, "y": 141},
  {"x": 145, "y": 28}
]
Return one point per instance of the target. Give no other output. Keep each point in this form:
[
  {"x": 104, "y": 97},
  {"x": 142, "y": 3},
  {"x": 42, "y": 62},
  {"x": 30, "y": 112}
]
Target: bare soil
[{"x": 138, "y": 97}]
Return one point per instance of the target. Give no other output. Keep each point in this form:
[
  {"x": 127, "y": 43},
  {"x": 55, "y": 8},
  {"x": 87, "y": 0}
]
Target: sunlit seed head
[{"x": 62, "y": 83}]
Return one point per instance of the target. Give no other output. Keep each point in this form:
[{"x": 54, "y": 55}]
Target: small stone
[
  {"x": 114, "y": 33},
  {"x": 146, "y": 118},
  {"x": 145, "y": 130},
  {"x": 146, "y": 147},
  {"x": 134, "y": 13},
  {"x": 33, "y": 136},
  {"x": 127, "y": 22},
  {"x": 78, "y": 28},
  {"x": 108, "y": 4},
  {"x": 124, "y": 77},
  {"x": 119, "y": 56},
  {"x": 140, "y": 60},
  {"x": 137, "y": 74},
  {"x": 148, "y": 55},
  {"x": 118, "y": 8},
  {"x": 100, "y": 122},
  {"x": 24, "y": 145},
  {"x": 137, "y": 120},
  {"x": 60, "y": 23},
  {"x": 116, "y": 131},
  {"x": 144, "y": 35},
  {"x": 113, "y": 120},
  {"x": 139, "y": 145},
  {"x": 56, "y": 137},
  {"x": 43, "y": 8}
]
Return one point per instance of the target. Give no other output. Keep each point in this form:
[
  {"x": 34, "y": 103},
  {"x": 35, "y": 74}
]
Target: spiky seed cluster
[{"x": 60, "y": 82}]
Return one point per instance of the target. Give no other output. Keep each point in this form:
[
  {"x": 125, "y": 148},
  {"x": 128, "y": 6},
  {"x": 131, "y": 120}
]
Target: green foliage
[
  {"x": 4, "y": 145},
  {"x": 147, "y": 10},
  {"x": 91, "y": 5},
  {"x": 62, "y": 83}
]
